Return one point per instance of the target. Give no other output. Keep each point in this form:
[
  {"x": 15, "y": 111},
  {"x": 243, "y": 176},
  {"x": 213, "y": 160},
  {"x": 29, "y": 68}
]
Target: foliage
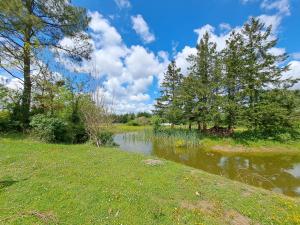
[
  {"x": 167, "y": 105},
  {"x": 105, "y": 138},
  {"x": 97, "y": 117},
  {"x": 50, "y": 129},
  {"x": 28, "y": 27},
  {"x": 240, "y": 85},
  {"x": 4, "y": 120},
  {"x": 156, "y": 122}
]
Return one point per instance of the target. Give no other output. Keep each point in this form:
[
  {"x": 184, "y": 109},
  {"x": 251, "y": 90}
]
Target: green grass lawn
[{"x": 79, "y": 184}]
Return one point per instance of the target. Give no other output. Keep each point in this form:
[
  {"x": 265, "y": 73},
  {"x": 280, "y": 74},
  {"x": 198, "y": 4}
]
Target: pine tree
[
  {"x": 233, "y": 62},
  {"x": 167, "y": 105},
  {"x": 202, "y": 71},
  {"x": 261, "y": 68},
  {"x": 28, "y": 26}
]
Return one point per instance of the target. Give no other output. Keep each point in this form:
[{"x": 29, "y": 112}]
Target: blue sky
[{"x": 134, "y": 40}]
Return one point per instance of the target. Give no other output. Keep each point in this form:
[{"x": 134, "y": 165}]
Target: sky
[{"x": 134, "y": 40}]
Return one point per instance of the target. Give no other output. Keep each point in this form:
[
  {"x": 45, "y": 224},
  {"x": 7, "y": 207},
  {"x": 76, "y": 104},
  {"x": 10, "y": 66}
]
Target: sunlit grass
[{"x": 80, "y": 184}]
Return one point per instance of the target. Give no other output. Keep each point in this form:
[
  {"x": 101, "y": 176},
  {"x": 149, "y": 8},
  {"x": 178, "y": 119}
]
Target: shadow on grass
[
  {"x": 14, "y": 135},
  {"x": 7, "y": 183},
  {"x": 4, "y": 183}
]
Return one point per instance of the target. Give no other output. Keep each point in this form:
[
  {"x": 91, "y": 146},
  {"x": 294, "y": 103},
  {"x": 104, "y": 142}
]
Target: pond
[{"x": 276, "y": 172}]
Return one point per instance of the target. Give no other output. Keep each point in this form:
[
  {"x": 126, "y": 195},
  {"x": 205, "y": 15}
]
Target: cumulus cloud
[
  {"x": 127, "y": 72},
  {"x": 141, "y": 28},
  {"x": 181, "y": 58},
  {"x": 296, "y": 55},
  {"x": 294, "y": 72},
  {"x": 123, "y": 4},
  {"x": 273, "y": 20},
  {"x": 282, "y": 6}
]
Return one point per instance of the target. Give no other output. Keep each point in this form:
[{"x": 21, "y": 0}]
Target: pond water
[{"x": 275, "y": 172}]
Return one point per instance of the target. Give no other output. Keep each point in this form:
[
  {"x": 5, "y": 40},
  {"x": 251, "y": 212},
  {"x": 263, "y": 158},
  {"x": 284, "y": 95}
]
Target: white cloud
[
  {"x": 181, "y": 58},
  {"x": 141, "y": 28},
  {"x": 277, "y": 51},
  {"x": 225, "y": 27},
  {"x": 220, "y": 39},
  {"x": 282, "y": 6},
  {"x": 294, "y": 72},
  {"x": 273, "y": 20},
  {"x": 123, "y": 4},
  {"x": 105, "y": 33},
  {"x": 296, "y": 55},
  {"x": 127, "y": 71},
  {"x": 11, "y": 83}
]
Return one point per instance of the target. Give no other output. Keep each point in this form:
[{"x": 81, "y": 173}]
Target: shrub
[
  {"x": 50, "y": 129},
  {"x": 4, "y": 120},
  {"x": 284, "y": 137},
  {"x": 142, "y": 121},
  {"x": 133, "y": 123},
  {"x": 156, "y": 121},
  {"x": 105, "y": 138},
  {"x": 79, "y": 134}
]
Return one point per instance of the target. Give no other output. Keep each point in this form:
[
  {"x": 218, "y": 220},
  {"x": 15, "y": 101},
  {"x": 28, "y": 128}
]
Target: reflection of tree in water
[{"x": 273, "y": 172}]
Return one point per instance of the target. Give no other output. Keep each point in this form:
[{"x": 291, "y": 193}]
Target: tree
[
  {"x": 28, "y": 26},
  {"x": 233, "y": 62},
  {"x": 97, "y": 117},
  {"x": 204, "y": 72},
  {"x": 261, "y": 68},
  {"x": 167, "y": 105},
  {"x": 187, "y": 99}
]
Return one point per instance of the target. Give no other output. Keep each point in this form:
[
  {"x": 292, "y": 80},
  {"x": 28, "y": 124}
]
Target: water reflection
[{"x": 276, "y": 172}]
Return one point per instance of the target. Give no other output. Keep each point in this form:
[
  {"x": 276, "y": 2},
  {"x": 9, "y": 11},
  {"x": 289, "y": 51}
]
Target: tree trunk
[
  {"x": 190, "y": 125},
  {"x": 204, "y": 127},
  {"x": 199, "y": 126},
  {"x": 26, "y": 96}
]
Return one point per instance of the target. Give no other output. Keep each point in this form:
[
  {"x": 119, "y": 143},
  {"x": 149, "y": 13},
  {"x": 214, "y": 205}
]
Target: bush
[
  {"x": 156, "y": 121},
  {"x": 4, "y": 120},
  {"x": 106, "y": 138},
  {"x": 51, "y": 129},
  {"x": 79, "y": 134},
  {"x": 284, "y": 137},
  {"x": 133, "y": 123},
  {"x": 142, "y": 121}
]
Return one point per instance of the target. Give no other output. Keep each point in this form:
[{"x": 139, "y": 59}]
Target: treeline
[
  {"x": 242, "y": 84},
  {"x": 138, "y": 119}
]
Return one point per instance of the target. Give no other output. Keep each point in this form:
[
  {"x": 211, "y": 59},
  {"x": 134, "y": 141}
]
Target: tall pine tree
[
  {"x": 167, "y": 105},
  {"x": 261, "y": 68}
]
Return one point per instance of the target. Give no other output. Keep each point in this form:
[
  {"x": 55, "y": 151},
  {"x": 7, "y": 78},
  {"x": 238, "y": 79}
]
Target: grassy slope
[{"x": 79, "y": 184}]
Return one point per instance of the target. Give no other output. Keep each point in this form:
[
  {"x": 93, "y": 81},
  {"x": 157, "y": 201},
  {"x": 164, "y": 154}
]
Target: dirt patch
[
  {"x": 46, "y": 217},
  {"x": 229, "y": 148},
  {"x": 245, "y": 149},
  {"x": 247, "y": 192},
  {"x": 235, "y": 218},
  {"x": 204, "y": 206},
  {"x": 153, "y": 162}
]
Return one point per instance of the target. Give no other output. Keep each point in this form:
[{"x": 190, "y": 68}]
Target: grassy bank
[
  {"x": 123, "y": 128},
  {"x": 79, "y": 184},
  {"x": 239, "y": 142}
]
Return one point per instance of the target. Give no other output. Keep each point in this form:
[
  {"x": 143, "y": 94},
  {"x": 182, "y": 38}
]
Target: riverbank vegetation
[{"x": 33, "y": 172}]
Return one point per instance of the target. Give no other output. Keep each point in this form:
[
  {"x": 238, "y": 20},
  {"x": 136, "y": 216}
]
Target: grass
[
  {"x": 80, "y": 184},
  {"x": 123, "y": 128}
]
